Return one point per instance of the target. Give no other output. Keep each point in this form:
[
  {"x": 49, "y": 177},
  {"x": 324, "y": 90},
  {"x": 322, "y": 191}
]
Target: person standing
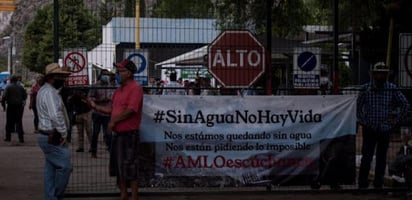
[
  {"x": 101, "y": 95},
  {"x": 380, "y": 108},
  {"x": 173, "y": 87},
  {"x": 32, "y": 105},
  {"x": 3, "y": 85},
  {"x": 152, "y": 86},
  {"x": 125, "y": 119},
  {"x": 83, "y": 117},
  {"x": 13, "y": 101},
  {"x": 53, "y": 127}
]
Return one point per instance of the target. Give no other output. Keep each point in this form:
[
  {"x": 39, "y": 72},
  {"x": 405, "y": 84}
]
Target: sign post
[{"x": 236, "y": 59}]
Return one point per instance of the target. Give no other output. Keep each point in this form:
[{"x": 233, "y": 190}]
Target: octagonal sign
[{"x": 236, "y": 58}]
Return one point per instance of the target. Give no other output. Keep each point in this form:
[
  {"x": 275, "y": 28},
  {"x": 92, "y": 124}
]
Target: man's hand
[
  {"x": 391, "y": 120},
  {"x": 110, "y": 126},
  {"x": 55, "y": 138},
  {"x": 91, "y": 103},
  {"x": 63, "y": 141}
]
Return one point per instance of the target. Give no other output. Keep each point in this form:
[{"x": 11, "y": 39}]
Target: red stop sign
[{"x": 236, "y": 58}]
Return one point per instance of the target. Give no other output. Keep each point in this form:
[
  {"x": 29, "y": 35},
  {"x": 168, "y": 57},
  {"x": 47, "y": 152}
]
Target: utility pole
[
  {"x": 335, "y": 47},
  {"x": 137, "y": 23},
  {"x": 269, "y": 89},
  {"x": 9, "y": 53}
]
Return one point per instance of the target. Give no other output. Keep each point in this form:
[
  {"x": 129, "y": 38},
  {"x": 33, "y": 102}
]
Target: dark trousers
[
  {"x": 14, "y": 115},
  {"x": 71, "y": 116},
  {"x": 36, "y": 118},
  {"x": 331, "y": 161},
  {"x": 373, "y": 140},
  {"x": 100, "y": 122}
]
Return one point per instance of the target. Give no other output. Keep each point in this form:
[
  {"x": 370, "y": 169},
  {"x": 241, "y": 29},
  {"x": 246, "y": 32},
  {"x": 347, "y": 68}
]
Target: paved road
[
  {"x": 21, "y": 168},
  {"x": 21, "y": 164}
]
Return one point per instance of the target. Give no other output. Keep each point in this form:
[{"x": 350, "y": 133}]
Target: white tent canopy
[{"x": 193, "y": 59}]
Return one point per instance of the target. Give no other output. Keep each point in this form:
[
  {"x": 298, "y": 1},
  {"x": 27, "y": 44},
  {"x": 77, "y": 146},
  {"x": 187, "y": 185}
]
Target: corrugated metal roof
[{"x": 164, "y": 30}]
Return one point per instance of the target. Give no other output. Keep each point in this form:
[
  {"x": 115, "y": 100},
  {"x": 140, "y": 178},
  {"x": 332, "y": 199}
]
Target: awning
[{"x": 194, "y": 59}]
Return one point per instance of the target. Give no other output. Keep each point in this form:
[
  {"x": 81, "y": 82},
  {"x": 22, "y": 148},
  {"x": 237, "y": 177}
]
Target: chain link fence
[{"x": 161, "y": 43}]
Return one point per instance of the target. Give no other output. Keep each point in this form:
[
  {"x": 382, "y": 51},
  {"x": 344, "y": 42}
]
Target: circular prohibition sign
[
  {"x": 75, "y": 61},
  {"x": 406, "y": 65}
]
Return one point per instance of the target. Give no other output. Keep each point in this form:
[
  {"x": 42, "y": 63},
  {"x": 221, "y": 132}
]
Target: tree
[
  {"x": 250, "y": 14},
  {"x": 183, "y": 9},
  {"x": 240, "y": 14},
  {"x": 78, "y": 28},
  {"x": 353, "y": 15}
]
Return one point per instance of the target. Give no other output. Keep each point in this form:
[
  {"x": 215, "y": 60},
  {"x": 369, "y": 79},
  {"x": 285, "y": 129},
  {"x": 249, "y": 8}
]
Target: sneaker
[
  {"x": 398, "y": 179},
  {"x": 7, "y": 140},
  {"x": 80, "y": 150}
]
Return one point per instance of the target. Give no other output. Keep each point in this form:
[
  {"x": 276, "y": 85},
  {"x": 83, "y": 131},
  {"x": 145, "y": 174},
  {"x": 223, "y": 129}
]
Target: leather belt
[{"x": 45, "y": 132}]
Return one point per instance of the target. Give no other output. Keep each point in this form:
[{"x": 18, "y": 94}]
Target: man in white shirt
[{"x": 53, "y": 127}]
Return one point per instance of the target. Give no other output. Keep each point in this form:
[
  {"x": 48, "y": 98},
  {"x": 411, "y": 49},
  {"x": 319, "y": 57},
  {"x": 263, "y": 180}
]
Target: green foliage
[
  {"x": 240, "y": 14},
  {"x": 3, "y": 62},
  {"x": 251, "y": 14},
  {"x": 130, "y": 8},
  {"x": 353, "y": 15},
  {"x": 183, "y": 9},
  {"x": 283, "y": 24},
  {"x": 77, "y": 28}
]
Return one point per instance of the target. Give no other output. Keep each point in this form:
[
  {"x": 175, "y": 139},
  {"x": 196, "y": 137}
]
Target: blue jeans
[{"x": 57, "y": 168}]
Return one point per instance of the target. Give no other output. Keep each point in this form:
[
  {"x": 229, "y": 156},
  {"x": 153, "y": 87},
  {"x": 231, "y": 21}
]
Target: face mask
[
  {"x": 380, "y": 83},
  {"x": 58, "y": 83},
  {"x": 118, "y": 79},
  {"x": 380, "y": 80},
  {"x": 105, "y": 79},
  {"x": 324, "y": 80}
]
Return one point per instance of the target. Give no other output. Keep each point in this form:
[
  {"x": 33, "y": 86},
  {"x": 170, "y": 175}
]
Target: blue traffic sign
[
  {"x": 143, "y": 62},
  {"x": 307, "y": 61}
]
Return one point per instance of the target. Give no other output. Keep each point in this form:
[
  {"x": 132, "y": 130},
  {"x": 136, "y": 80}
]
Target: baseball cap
[
  {"x": 126, "y": 63},
  {"x": 380, "y": 67}
]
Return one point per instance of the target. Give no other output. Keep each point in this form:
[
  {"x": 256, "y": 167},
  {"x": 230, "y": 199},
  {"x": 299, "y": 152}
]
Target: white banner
[{"x": 246, "y": 138}]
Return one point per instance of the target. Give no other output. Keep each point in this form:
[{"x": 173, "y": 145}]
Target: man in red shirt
[{"x": 125, "y": 117}]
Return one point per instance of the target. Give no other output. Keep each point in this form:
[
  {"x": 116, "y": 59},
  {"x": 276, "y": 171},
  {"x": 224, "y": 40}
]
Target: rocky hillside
[
  {"x": 13, "y": 23},
  {"x": 4, "y": 20}
]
